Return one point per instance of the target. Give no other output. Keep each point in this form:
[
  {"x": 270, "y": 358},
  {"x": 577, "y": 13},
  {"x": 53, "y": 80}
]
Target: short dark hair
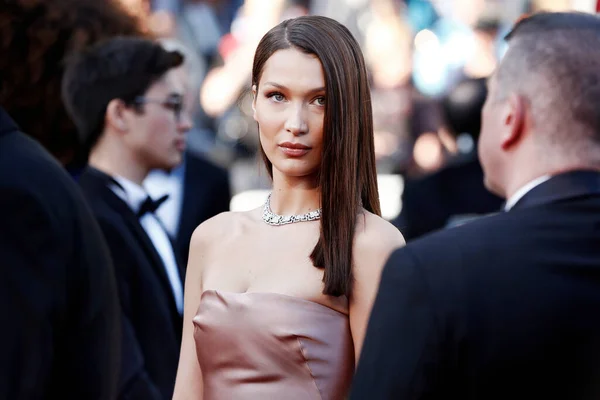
[
  {"x": 554, "y": 58},
  {"x": 37, "y": 36},
  {"x": 120, "y": 68}
]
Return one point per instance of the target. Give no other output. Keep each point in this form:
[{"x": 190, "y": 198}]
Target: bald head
[{"x": 553, "y": 62}]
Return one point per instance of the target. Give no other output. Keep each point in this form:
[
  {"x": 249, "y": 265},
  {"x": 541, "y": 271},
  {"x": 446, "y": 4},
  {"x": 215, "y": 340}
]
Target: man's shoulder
[
  {"x": 452, "y": 260},
  {"x": 29, "y": 172},
  {"x": 101, "y": 198},
  {"x": 118, "y": 230},
  {"x": 109, "y": 214},
  {"x": 489, "y": 246},
  {"x": 21, "y": 156},
  {"x": 478, "y": 238},
  {"x": 477, "y": 228},
  {"x": 25, "y": 165}
]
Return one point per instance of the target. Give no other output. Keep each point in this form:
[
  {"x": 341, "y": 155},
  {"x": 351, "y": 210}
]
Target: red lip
[
  {"x": 294, "y": 150},
  {"x": 298, "y": 146},
  {"x": 291, "y": 145}
]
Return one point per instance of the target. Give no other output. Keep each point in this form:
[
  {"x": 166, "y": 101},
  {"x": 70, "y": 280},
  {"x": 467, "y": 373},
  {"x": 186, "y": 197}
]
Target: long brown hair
[{"x": 347, "y": 177}]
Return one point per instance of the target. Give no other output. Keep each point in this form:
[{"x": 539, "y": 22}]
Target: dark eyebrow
[{"x": 277, "y": 85}]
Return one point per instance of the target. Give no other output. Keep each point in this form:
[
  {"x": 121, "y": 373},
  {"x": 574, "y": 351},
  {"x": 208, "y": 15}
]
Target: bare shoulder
[
  {"x": 215, "y": 227},
  {"x": 222, "y": 226},
  {"x": 374, "y": 241},
  {"x": 374, "y": 234},
  {"x": 219, "y": 231}
]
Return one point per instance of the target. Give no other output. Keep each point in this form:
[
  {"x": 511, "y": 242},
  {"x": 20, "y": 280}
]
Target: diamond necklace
[{"x": 273, "y": 219}]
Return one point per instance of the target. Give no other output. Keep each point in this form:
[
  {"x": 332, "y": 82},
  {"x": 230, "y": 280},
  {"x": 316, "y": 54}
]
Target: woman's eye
[
  {"x": 278, "y": 97},
  {"x": 320, "y": 101}
]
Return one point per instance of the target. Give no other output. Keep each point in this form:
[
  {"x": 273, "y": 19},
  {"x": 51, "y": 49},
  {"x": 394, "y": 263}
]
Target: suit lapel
[
  {"x": 193, "y": 197},
  {"x": 189, "y": 198},
  {"x": 562, "y": 187},
  {"x": 97, "y": 183},
  {"x": 173, "y": 242}
]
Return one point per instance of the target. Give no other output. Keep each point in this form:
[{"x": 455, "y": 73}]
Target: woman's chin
[{"x": 296, "y": 171}]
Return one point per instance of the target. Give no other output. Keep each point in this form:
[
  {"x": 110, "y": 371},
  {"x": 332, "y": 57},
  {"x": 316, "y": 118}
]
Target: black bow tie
[{"x": 150, "y": 206}]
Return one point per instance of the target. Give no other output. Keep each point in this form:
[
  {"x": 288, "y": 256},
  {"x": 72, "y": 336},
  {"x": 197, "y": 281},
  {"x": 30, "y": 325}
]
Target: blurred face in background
[
  {"x": 190, "y": 93},
  {"x": 289, "y": 106},
  {"x": 156, "y": 133}
]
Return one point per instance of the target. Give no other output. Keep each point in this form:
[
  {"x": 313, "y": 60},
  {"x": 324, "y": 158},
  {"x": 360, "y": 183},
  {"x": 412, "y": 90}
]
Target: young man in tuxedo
[
  {"x": 127, "y": 103},
  {"x": 506, "y": 307},
  {"x": 59, "y": 309}
]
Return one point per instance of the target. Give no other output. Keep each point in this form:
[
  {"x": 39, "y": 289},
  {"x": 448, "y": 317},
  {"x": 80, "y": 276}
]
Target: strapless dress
[{"x": 259, "y": 345}]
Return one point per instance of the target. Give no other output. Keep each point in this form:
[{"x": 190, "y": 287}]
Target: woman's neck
[{"x": 294, "y": 196}]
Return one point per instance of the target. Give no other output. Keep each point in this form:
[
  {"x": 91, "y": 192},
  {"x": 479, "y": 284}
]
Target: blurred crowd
[{"x": 417, "y": 51}]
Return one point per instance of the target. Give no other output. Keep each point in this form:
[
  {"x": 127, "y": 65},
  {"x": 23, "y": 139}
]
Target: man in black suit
[
  {"x": 507, "y": 306},
  {"x": 456, "y": 192},
  {"x": 127, "y": 103},
  {"x": 60, "y": 312}
]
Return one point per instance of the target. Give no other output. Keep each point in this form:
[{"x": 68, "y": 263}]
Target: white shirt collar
[
  {"x": 131, "y": 193},
  {"x": 518, "y": 195}
]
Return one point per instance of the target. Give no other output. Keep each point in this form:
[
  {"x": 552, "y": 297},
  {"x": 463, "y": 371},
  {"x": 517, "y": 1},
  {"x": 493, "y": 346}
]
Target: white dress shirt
[
  {"x": 518, "y": 195},
  {"x": 134, "y": 195}
]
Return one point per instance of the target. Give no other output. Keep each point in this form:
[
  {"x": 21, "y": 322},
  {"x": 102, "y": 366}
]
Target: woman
[{"x": 278, "y": 298}]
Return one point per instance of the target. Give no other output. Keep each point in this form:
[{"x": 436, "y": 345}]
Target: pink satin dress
[{"x": 271, "y": 346}]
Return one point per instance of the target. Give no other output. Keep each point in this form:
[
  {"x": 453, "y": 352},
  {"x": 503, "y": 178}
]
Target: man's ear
[
  {"x": 513, "y": 120},
  {"x": 116, "y": 116}
]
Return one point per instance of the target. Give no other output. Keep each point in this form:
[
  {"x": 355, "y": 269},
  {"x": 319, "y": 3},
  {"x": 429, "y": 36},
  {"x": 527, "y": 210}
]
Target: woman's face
[{"x": 289, "y": 106}]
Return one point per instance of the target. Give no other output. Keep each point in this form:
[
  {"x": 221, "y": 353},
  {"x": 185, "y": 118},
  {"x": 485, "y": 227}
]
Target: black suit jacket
[
  {"x": 429, "y": 203},
  {"x": 506, "y": 307},
  {"x": 59, "y": 311},
  {"x": 206, "y": 193},
  {"x": 151, "y": 322}
]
